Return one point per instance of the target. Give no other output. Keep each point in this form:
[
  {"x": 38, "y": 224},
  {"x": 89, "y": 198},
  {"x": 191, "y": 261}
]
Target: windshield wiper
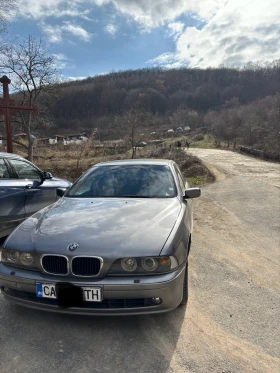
[
  {"x": 125, "y": 196},
  {"x": 134, "y": 196}
]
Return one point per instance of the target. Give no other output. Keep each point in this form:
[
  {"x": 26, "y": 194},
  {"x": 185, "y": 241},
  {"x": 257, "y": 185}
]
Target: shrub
[{"x": 199, "y": 137}]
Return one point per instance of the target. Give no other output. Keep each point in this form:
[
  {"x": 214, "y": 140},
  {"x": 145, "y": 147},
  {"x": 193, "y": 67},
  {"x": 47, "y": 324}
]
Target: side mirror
[
  {"x": 47, "y": 175},
  {"x": 61, "y": 191},
  {"x": 192, "y": 193}
]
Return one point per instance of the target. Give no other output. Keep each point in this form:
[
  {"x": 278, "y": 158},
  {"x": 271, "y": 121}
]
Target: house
[
  {"x": 81, "y": 136},
  {"x": 44, "y": 141},
  {"x": 19, "y": 136},
  {"x": 52, "y": 141},
  {"x": 24, "y": 136},
  {"x": 68, "y": 139},
  {"x": 57, "y": 139}
]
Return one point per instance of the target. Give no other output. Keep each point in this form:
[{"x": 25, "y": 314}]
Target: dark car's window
[
  {"x": 150, "y": 181},
  {"x": 4, "y": 173},
  {"x": 25, "y": 170}
]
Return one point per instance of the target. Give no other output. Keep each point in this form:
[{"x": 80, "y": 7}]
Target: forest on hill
[
  {"x": 162, "y": 92},
  {"x": 237, "y": 105}
]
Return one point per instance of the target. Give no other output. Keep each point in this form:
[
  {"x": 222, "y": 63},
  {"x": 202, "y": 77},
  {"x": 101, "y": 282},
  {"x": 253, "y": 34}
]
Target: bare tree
[
  {"x": 131, "y": 123},
  {"x": 83, "y": 150},
  {"x": 34, "y": 75},
  {"x": 184, "y": 117}
]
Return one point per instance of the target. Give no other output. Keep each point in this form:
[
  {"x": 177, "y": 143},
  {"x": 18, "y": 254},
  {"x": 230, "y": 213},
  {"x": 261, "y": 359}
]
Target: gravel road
[{"x": 231, "y": 323}]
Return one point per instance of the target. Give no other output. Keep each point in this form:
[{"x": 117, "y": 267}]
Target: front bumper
[{"x": 121, "y": 295}]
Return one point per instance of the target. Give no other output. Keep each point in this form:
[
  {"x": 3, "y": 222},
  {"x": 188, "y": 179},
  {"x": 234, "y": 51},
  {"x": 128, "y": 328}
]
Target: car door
[
  {"x": 12, "y": 200},
  {"x": 37, "y": 197}
]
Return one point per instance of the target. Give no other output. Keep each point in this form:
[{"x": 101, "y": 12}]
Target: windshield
[{"x": 139, "y": 181}]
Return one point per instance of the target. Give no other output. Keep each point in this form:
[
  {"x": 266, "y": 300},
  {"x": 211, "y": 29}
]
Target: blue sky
[{"x": 90, "y": 37}]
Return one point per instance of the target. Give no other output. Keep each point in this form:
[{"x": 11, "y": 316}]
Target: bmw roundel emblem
[{"x": 73, "y": 247}]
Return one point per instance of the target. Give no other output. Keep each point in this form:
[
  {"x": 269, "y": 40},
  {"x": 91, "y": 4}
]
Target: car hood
[{"x": 101, "y": 226}]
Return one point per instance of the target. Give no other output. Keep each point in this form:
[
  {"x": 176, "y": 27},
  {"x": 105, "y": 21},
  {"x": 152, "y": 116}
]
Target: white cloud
[
  {"x": 111, "y": 29},
  {"x": 71, "y": 78},
  {"x": 55, "y": 34},
  {"x": 41, "y": 9},
  {"x": 233, "y": 31},
  {"x": 62, "y": 61},
  {"x": 176, "y": 29},
  {"x": 151, "y": 14},
  {"x": 239, "y": 32},
  {"x": 77, "y": 31}
]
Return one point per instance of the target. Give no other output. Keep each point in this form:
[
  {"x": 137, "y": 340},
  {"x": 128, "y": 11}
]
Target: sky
[{"x": 92, "y": 37}]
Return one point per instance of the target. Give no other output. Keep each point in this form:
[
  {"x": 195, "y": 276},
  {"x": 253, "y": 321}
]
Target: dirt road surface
[{"x": 231, "y": 323}]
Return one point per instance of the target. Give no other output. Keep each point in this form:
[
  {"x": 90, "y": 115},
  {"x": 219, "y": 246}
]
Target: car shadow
[{"x": 63, "y": 343}]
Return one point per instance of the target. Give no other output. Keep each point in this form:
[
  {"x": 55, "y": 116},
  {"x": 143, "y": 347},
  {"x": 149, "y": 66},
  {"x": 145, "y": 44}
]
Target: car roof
[
  {"x": 10, "y": 155},
  {"x": 148, "y": 161}
]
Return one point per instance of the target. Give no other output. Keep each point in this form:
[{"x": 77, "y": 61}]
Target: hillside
[
  {"x": 239, "y": 106},
  {"x": 164, "y": 91}
]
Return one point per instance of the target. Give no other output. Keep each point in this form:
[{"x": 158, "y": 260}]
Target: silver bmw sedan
[{"x": 116, "y": 243}]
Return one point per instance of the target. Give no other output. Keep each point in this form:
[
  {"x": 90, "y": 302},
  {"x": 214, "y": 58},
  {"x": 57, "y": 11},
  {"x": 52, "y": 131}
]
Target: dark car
[
  {"x": 24, "y": 189},
  {"x": 116, "y": 243}
]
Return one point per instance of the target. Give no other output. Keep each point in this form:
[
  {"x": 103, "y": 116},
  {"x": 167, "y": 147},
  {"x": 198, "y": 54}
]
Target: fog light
[{"x": 156, "y": 300}]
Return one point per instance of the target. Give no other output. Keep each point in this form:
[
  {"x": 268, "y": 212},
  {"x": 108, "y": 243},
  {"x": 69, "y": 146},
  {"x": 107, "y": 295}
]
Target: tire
[{"x": 185, "y": 288}]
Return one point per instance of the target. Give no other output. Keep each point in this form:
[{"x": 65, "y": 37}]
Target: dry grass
[
  {"x": 192, "y": 168},
  {"x": 70, "y": 162}
]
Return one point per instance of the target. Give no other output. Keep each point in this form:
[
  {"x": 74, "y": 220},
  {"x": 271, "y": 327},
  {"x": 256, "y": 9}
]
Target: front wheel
[{"x": 185, "y": 288}]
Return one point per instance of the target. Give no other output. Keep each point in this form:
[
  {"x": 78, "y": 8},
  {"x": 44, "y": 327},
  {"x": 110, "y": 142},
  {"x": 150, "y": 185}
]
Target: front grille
[
  {"x": 85, "y": 266},
  {"x": 105, "y": 304},
  {"x": 56, "y": 265}
]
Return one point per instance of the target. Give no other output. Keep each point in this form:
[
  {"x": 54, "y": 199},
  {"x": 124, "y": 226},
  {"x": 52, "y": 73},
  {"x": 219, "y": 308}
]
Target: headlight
[
  {"x": 145, "y": 265},
  {"x": 16, "y": 258},
  {"x": 129, "y": 264},
  {"x": 149, "y": 264},
  {"x": 26, "y": 259}
]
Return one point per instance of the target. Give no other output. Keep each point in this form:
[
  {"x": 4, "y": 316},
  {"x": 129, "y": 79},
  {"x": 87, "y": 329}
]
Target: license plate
[{"x": 90, "y": 294}]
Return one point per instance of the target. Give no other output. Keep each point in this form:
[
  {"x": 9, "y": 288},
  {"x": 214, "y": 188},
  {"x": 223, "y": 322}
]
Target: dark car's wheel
[{"x": 185, "y": 288}]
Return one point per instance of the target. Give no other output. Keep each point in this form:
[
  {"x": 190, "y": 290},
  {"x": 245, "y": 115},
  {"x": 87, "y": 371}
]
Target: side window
[
  {"x": 4, "y": 172},
  {"x": 181, "y": 181},
  {"x": 25, "y": 170}
]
